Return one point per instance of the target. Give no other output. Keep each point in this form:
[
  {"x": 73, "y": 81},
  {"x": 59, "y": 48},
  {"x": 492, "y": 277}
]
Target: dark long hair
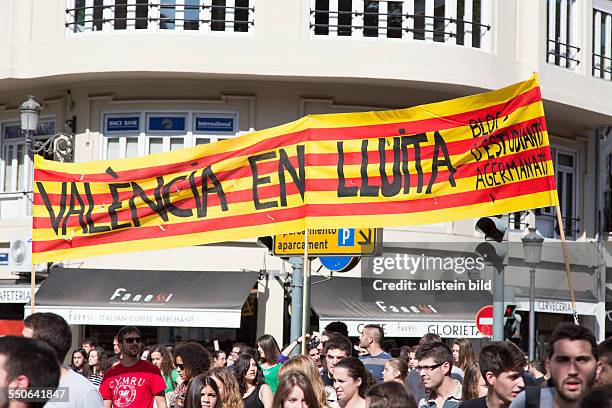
[
  {"x": 84, "y": 370},
  {"x": 166, "y": 366},
  {"x": 270, "y": 348},
  {"x": 242, "y": 366},
  {"x": 196, "y": 359},
  {"x": 102, "y": 358},
  {"x": 356, "y": 370},
  {"x": 466, "y": 353},
  {"x": 193, "y": 397}
]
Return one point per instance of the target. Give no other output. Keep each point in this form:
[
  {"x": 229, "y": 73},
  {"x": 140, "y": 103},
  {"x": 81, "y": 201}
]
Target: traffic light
[
  {"x": 494, "y": 250},
  {"x": 510, "y": 311}
]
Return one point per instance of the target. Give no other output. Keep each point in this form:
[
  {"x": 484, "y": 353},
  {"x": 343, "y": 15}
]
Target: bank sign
[
  {"x": 446, "y": 329},
  {"x": 122, "y": 124}
]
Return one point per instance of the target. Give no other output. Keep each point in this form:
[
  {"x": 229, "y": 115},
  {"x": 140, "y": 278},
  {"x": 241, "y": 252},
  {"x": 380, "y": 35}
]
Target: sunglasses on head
[{"x": 132, "y": 340}]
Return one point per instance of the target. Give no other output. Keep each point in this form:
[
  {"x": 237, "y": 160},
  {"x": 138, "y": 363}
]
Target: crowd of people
[{"x": 576, "y": 373}]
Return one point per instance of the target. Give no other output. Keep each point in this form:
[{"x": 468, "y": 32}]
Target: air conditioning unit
[{"x": 20, "y": 257}]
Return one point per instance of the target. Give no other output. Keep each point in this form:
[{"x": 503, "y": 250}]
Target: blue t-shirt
[{"x": 376, "y": 364}]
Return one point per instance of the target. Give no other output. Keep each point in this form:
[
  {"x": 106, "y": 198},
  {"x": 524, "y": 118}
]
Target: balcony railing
[
  {"x": 561, "y": 34},
  {"x": 228, "y": 16},
  {"x": 602, "y": 44},
  {"x": 461, "y": 22},
  {"x": 549, "y": 227}
]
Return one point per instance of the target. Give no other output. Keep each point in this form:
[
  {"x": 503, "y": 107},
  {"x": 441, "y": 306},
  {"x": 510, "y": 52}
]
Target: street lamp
[
  {"x": 532, "y": 247},
  {"x": 29, "y": 110}
]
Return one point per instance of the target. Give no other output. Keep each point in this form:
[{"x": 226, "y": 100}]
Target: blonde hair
[
  {"x": 231, "y": 392},
  {"x": 400, "y": 365},
  {"x": 306, "y": 365}
]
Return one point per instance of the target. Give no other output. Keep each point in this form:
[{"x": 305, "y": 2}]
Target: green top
[
  {"x": 171, "y": 381},
  {"x": 271, "y": 375}
]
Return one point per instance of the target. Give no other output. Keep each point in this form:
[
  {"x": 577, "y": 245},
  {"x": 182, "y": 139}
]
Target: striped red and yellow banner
[{"x": 478, "y": 155}]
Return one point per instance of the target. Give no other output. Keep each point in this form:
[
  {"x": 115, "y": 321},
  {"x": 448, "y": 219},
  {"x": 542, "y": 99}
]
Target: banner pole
[
  {"x": 32, "y": 288},
  {"x": 567, "y": 265},
  {"x": 305, "y": 293}
]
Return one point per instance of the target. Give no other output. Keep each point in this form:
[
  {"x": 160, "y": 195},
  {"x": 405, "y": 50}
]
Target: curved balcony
[{"x": 441, "y": 45}]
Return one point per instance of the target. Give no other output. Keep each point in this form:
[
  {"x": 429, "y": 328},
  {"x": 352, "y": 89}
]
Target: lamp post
[
  {"x": 30, "y": 110},
  {"x": 532, "y": 247}
]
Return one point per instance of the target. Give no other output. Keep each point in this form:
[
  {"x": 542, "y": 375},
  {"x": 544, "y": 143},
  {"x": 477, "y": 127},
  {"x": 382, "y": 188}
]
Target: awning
[
  {"x": 145, "y": 298},
  {"x": 339, "y": 299}
]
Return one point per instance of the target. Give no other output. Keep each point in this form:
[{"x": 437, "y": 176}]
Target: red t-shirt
[{"x": 132, "y": 387}]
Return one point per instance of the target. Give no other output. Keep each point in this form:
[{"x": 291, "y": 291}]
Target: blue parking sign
[{"x": 346, "y": 236}]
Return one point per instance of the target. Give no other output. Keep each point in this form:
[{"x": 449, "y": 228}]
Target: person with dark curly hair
[
  {"x": 203, "y": 392},
  {"x": 255, "y": 393},
  {"x": 190, "y": 359}
]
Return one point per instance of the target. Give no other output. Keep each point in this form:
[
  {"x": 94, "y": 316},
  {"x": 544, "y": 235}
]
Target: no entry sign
[{"x": 484, "y": 320}]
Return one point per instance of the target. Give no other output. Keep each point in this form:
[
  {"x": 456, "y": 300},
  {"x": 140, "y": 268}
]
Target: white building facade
[{"x": 136, "y": 77}]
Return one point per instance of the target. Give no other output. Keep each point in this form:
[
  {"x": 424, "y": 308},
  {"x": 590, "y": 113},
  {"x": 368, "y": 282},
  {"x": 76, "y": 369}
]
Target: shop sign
[
  {"x": 4, "y": 258},
  {"x": 167, "y": 123},
  {"x": 212, "y": 124},
  {"x": 15, "y": 294},
  {"x": 448, "y": 329},
  {"x": 558, "y": 306},
  {"x": 44, "y": 127},
  {"x": 122, "y": 123}
]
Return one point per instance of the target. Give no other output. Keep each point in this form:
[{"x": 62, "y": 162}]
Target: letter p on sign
[{"x": 346, "y": 236}]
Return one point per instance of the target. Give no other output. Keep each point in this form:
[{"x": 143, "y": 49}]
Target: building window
[
  {"x": 562, "y": 34},
  {"x": 602, "y": 40},
  {"x": 13, "y": 164},
  {"x": 138, "y": 134},
  {"x": 566, "y": 170}
]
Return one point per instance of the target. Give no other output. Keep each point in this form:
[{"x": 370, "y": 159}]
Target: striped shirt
[
  {"x": 376, "y": 364},
  {"x": 96, "y": 379}
]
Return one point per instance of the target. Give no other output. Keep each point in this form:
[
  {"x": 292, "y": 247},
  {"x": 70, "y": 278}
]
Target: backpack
[{"x": 532, "y": 397}]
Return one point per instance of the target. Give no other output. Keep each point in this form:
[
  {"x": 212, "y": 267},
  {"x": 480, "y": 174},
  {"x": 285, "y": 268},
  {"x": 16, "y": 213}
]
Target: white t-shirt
[{"x": 81, "y": 393}]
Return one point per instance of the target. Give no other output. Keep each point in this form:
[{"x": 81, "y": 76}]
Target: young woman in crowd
[
  {"x": 408, "y": 354},
  {"x": 396, "y": 370},
  {"x": 160, "y": 356},
  {"x": 307, "y": 367},
  {"x": 295, "y": 391},
  {"x": 268, "y": 351},
  {"x": 351, "y": 380},
  {"x": 80, "y": 363},
  {"x": 463, "y": 353},
  {"x": 390, "y": 395},
  {"x": 255, "y": 393},
  {"x": 474, "y": 385},
  {"x": 219, "y": 358},
  {"x": 190, "y": 359},
  {"x": 228, "y": 387},
  {"x": 202, "y": 393},
  {"x": 98, "y": 363}
]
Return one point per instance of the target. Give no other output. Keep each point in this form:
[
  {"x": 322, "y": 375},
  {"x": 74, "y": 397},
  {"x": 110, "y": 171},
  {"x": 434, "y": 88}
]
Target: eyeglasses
[
  {"x": 428, "y": 368},
  {"x": 180, "y": 366},
  {"x": 132, "y": 340}
]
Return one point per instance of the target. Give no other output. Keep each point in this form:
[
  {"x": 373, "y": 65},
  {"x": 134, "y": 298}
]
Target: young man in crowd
[
  {"x": 54, "y": 330},
  {"x": 337, "y": 347},
  {"x": 435, "y": 361},
  {"x": 26, "y": 365},
  {"x": 605, "y": 362},
  {"x": 89, "y": 343},
  {"x": 237, "y": 350},
  {"x": 501, "y": 366},
  {"x": 414, "y": 382},
  {"x": 371, "y": 339},
  {"x": 572, "y": 363},
  {"x": 133, "y": 383}
]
